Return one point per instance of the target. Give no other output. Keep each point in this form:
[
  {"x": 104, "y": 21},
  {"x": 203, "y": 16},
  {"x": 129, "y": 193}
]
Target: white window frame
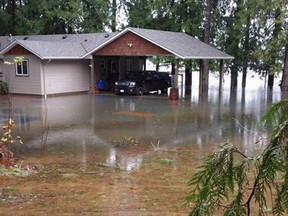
[{"x": 20, "y": 68}]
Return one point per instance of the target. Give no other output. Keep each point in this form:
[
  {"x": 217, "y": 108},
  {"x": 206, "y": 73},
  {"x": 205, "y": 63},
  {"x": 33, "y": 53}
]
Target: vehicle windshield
[{"x": 136, "y": 75}]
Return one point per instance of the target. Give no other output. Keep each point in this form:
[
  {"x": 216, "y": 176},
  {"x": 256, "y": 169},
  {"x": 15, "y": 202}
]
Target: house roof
[
  {"x": 179, "y": 44},
  {"x": 78, "y": 46},
  {"x": 60, "y": 46},
  {"x": 52, "y": 50}
]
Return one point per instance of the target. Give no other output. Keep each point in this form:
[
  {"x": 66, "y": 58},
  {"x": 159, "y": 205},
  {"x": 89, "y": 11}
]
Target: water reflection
[
  {"x": 86, "y": 126},
  {"x": 127, "y": 163}
]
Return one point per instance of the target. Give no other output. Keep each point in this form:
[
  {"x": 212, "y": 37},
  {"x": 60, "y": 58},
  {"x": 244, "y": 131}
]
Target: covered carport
[{"x": 130, "y": 48}]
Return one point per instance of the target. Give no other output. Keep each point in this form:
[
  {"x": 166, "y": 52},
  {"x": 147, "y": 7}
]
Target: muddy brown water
[{"x": 123, "y": 155}]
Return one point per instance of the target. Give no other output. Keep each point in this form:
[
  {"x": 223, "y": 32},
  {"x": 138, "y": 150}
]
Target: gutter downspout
[{"x": 44, "y": 80}]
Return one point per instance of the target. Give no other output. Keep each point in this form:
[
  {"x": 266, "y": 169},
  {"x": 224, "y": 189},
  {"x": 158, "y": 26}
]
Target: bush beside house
[{"x": 3, "y": 87}]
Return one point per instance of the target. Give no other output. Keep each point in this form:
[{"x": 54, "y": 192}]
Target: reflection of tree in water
[{"x": 220, "y": 117}]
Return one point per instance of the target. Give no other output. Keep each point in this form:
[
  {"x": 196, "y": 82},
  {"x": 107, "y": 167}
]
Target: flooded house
[{"x": 70, "y": 63}]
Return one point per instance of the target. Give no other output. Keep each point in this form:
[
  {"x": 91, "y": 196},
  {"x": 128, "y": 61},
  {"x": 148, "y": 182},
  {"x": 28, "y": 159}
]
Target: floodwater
[
  {"x": 86, "y": 124},
  {"x": 128, "y": 131}
]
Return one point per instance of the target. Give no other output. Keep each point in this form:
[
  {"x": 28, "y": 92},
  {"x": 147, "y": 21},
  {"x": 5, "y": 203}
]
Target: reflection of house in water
[{"x": 86, "y": 125}]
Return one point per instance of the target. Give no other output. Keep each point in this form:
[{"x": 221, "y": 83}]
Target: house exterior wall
[
  {"x": 65, "y": 76},
  {"x": 30, "y": 84},
  {"x": 130, "y": 44},
  {"x": 46, "y": 76}
]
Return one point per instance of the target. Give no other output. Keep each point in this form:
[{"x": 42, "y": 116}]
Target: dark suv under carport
[{"x": 141, "y": 82}]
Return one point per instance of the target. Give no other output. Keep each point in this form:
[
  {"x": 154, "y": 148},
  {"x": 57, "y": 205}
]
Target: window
[
  {"x": 114, "y": 67},
  {"x": 128, "y": 64},
  {"x": 102, "y": 63},
  {"x": 22, "y": 68}
]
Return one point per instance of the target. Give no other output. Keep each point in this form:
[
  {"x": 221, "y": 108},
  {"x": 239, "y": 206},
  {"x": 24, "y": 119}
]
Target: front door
[{"x": 113, "y": 73}]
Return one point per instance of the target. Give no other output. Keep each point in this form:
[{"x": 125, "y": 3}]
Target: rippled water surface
[{"x": 87, "y": 126}]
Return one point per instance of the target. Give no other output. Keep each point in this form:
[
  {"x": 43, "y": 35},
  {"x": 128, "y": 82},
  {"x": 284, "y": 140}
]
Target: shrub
[{"x": 3, "y": 87}]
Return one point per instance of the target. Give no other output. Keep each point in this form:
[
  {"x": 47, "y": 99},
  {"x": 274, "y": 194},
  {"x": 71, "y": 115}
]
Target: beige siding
[
  {"x": 24, "y": 84},
  {"x": 64, "y": 76}
]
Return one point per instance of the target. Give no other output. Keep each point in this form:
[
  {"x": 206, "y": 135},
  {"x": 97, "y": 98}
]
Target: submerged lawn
[{"x": 62, "y": 187}]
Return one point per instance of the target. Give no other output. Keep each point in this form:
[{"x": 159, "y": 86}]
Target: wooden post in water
[{"x": 174, "y": 92}]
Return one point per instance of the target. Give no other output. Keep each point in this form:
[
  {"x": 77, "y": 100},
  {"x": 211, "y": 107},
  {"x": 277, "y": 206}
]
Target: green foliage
[
  {"x": 4, "y": 87},
  {"x": 14, "y": 171},
  {"x": 8, "y": 136},
  {"x": 96, "y": 15},
  {"x": 53, "y": 16},
  {"x": 166, "y": 161},
  {"x": 231, "y": 181}
]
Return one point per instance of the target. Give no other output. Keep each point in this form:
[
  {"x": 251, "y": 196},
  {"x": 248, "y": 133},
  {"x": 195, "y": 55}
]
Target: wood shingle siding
[{"x": 131, "y": 45}]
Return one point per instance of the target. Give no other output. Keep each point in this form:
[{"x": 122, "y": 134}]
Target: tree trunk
[
  {"x": 270, "y": 80},
  {"x": 246, "y": 51},
  {"x": 221, "y": 74},
  {"x": 114, "y": 12},
  {"x": 234, "y": 76},
  {"x": 273, "y": 54},
  {"x": 188, "y": 78},
  {"x": 13, "y": 11},
  {"x": 284, "y": 82},
  {"x": 205, "y": 63},
  {"x": 244, "y": 76}
]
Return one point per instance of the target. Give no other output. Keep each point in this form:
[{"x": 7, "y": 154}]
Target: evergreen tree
[
  {"x": 96, "y": 15},
  {"x": 231, "y": 180}
]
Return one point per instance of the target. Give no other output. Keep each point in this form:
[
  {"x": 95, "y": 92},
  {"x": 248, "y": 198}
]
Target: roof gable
[
  {"x": 18, "y": 50},
  {"x": 61, "y": 46},
  {"x": 49, "y": 50},
  {"x": 132, "y": 45},
  {"x": 181, "y": 45}
]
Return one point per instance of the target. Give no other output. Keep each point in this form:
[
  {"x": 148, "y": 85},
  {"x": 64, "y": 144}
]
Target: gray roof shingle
[
  {"x": 53, "y": 50},
  {"x": 63, "y": 46}
]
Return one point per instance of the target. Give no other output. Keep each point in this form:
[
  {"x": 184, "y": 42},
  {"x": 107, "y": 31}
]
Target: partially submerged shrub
[
  {"x": 8, "y": 136},
  {"x": 127, "y": 141},
  {"x": 3, "y": 88},
  {"x": 6, "y": 156}
]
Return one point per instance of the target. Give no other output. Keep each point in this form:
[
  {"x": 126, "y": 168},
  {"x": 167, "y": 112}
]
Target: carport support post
[
  {"x": 174, "y": 92},
  {"x": 92, "y": 77}
]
